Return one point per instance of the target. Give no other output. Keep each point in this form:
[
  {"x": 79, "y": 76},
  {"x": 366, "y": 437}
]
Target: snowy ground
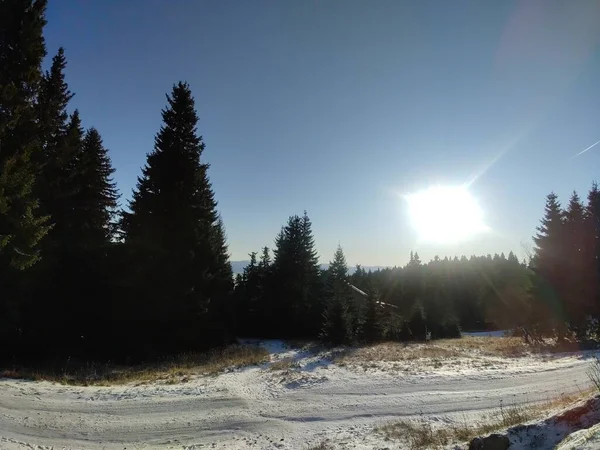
[{"x": 310, "y": 400}]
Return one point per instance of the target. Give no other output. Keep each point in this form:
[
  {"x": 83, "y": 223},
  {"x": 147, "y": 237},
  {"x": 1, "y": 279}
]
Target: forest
[{"x": 83, "y": 275}]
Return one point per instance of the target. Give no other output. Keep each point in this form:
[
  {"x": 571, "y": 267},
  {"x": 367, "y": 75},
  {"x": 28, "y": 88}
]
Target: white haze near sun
[{"x": 445, "y": 214}]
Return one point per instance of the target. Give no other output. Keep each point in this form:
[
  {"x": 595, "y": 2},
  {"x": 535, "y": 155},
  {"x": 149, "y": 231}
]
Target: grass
[
  {"x": 422, "y": 434},
  {"x": 594, "y": 372},
  {"x": 284, "y": 364},
  {"x": 174, "y": 370},
  {"x": 440, "y": 350}
]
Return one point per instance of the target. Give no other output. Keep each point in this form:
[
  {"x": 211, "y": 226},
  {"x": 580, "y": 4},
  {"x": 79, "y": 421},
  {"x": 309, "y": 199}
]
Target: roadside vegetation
[
  {"x": 444, "y": 349},
  {"x": 173, "y": 370},
  {"x": 422, "y": 433}
]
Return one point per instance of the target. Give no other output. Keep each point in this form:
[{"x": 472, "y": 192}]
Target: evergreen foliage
[
  {"x": 80, "y": 278},
  {"x": 175, "y": 239},
  {"x": 22, "y": 49},
  {"x": 339, "y": 317}
]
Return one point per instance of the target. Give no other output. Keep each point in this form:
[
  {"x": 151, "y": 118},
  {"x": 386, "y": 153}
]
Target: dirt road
[{"x": 261, "y": 408}]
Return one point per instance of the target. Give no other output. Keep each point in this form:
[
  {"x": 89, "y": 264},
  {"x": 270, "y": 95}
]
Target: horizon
[{"x": 345, "y": 109}]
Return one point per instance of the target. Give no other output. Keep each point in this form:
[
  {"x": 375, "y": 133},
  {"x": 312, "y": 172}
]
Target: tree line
[
  {"x": 81, "y": 276},
  {"x": 554, "y": 294}
]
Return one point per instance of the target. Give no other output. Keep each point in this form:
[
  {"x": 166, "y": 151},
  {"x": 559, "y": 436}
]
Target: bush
[{"x": 594, "y": 372}]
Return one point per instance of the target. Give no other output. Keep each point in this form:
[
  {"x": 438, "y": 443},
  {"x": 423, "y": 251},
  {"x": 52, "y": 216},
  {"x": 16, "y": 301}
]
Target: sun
[{"x": 445, "y": 214}]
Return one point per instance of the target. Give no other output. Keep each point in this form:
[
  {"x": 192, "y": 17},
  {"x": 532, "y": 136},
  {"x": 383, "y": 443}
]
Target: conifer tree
[
  {"x": 97, "y": 197},
  {"x": 592, "y": 248},
  {"x": 175, "y": 236},
  {"x": 22, "y": 224},
  {"x": 576, "y": 297},
  {"x": 296, "y": 279},
  {"x": 338, "y": 320},
  {"x": 22, "y": 49},
  {"x": 372, "y": 327},
  {"x": 548, "y": 264}
]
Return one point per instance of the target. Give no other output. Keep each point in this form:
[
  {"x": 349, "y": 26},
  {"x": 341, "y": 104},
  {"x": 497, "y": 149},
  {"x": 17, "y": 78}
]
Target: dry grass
[
  {"x": 170, "y": 371},
  {"x": 422, "y": 434},
  {"x": 284, "y": 364},
  {"x": 493, "y": 346},
  {"x": 438, "y": 350}
]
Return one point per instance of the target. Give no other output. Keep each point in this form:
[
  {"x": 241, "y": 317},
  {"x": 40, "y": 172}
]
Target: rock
[
  {"x": 476, "y": 444},
  {"x": 496, "y": 442},
  {"x": 491, "y": 442}
]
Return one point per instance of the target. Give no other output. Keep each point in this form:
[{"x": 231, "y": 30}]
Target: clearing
[{"x": 300, "y": 397}]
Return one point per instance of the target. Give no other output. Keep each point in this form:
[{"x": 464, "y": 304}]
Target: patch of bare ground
[
  {"x": 422, "y": 433},
  {"x": 173, "y": 370}
]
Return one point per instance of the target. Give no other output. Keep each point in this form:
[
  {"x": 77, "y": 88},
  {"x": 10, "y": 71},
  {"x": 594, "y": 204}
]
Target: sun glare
[{"x": 445, "y": 214}]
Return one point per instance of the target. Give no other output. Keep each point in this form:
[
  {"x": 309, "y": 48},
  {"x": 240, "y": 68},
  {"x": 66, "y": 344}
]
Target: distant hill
[{"x": 238, "y": 267}]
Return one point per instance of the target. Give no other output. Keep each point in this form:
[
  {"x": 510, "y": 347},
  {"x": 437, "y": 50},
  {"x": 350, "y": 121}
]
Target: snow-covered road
[{"x": 263, "y": 408}]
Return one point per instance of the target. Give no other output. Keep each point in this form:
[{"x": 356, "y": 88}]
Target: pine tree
[
  {"x": 22, "y": 224},
  {"x": 22, "y": 49},
  {"x": 53, "y": 100},
  {"x": 579, "y": 269},
  {"x": 175, "y": 237},
  {"x": 311, "y": 286},
  {"x": 372, "y": 327},
  {"x": 249, "y": 308},
  {"x": 97, "y": 195},
  {"x": 296, "y": 280},
  {"x": 61, "y": 138},
  {"x": 592, "y": 249},
  {"x": 338, "y": 320},
  {"x": 265, "y": 292},
  {"x": 548, "y": 264}
]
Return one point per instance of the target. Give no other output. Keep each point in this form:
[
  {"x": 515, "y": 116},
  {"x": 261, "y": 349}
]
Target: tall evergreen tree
[
  {"x": 296, "y": 280},
  {"x": 338, "y": 323},
  {"x": 548, "y": 263},
  {"x": 97, "y": 196},
  {"x": 22, "y": 224},
  {"x": 53, "y": 99},
  {"x": 22, "y": 49},
  {"x": 576, "y": 294},
  {"x": 592, "y": 248},
  {"x": 176, "y": 239},
  {"x": 372, "y": 327}
]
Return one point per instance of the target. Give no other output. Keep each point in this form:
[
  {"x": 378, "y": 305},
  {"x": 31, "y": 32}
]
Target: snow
[
  {"x": 315, "y": 399},
  {"x": 587, "y": 439},
  {"x": 572, "y": 428},
  {"x": 495, "y": 333}
]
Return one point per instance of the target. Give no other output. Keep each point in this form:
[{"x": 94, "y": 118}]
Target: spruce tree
[
  {"x": 249, "y": 308},
  {"x": 97, "y": 197},
  {"x": 53, "y": 99},
  {"x": 577, "y": 296},
  {"x": 372, "y": 327},
  {"x": 548, "y": 264},
  {"x": 176, "y": 239},
  {"x": 22, "y": 49},
  {"x": 296, "y": 280},
  {"x": 58, "y": 276},
  {"x": 265, "y": 292},
  {"x": 338, "y": 320},
  {"x": 312, "y": 306},
  {"x": 592, "y": 248},
  {"x": 61, "y": 137},
  {"x": 22, "y": 224}
]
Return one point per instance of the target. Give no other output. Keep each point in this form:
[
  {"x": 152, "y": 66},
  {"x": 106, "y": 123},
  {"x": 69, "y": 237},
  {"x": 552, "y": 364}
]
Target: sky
[{"x": 342, "y": 107}]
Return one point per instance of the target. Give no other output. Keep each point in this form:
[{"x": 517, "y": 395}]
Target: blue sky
[{"x": 339, "y": 106}]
